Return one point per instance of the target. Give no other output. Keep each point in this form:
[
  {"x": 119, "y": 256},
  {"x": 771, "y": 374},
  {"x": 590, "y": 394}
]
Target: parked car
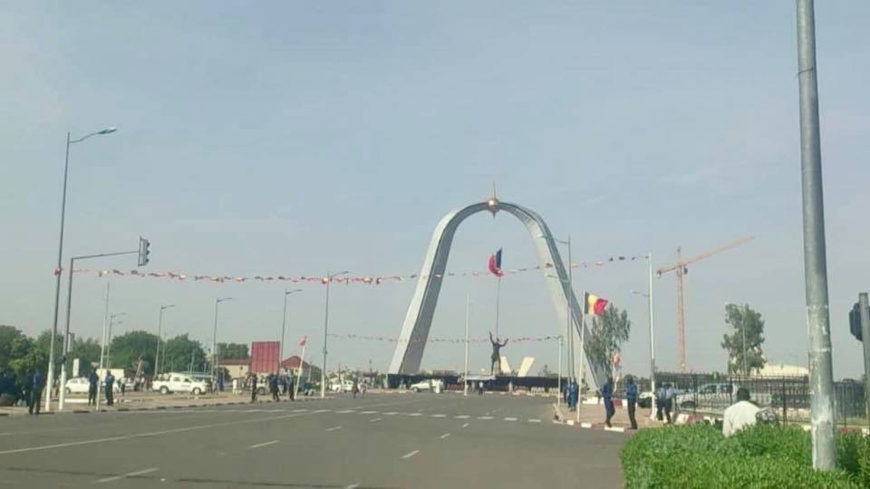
[
  {"x": 179, "y": 383},
  {"x": 77, "y": 386},
  {"x": 431, "y": 385}
]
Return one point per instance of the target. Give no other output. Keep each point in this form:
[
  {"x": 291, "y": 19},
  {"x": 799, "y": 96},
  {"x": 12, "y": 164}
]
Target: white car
[
  {"x": 179, "y": 383},
  {"x": 433, "y": 385},
  {"x": 77, "y": 386}
]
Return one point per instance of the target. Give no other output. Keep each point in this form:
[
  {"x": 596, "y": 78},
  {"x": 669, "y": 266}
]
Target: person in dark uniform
[
  {"x": 631, "y": 398},
  {"x": 93, "y": 386},
  {"x": 607, "y": 395},
  {"x": 273, "y": 387},
  {"x": 291, "y": 388},
  {"x": 110, "y": 386},
  {"x": 253, "y": 388},
  {"x": 38, "y": 383}
]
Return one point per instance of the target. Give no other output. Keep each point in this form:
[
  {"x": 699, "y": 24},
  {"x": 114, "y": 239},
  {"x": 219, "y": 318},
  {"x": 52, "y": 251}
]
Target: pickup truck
[{"x": 179, "y": 383}]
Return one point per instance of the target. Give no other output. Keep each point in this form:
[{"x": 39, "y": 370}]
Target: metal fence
[{"x": 710, "y": 394}]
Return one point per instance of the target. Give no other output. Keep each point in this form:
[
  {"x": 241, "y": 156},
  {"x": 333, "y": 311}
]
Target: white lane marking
[
  {"x": 352, "y": 486},
  {"x": 415, "y": 415},
  {"x": 445, "y": 435},
  {"x": 534, "y": 421},
  {"x": 322, "y": 411},
  {"x": 410, "y": 454},
  {"x": 266, "y": 444},
  {"x": 463, "y": 416},
  {"x": 439, "y": 415},
  {"x": 300, "y": 410},
  {"x": 345, "y": 411},
  {"x": 368, "y": 412},
  {"x": 169, "y": 432},
  {"x": 376, "y": 420},
  {"x": 391, "y": 413},
  {"x": 465, "y": 425},
  {"x": 485, "y": 417},
  {"x": 334, "y": 428},
  {"x": 124, "y": 476},
  {"x": 510, "y": 419}
]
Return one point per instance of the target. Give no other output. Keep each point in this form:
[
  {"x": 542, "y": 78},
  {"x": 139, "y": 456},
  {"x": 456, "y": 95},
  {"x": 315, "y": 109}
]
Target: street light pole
[
  {"x": 159, "y": 337},
  {"x": 283, "y": 324},
  {"x": 58, "y": 270},
  {"x": 329, "y": 278},
  {"x": 214, "y": 352},
  {"x": 109, "y": 338}
]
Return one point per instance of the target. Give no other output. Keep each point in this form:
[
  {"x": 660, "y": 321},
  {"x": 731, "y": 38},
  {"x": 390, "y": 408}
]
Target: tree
[
  {"x": 609, "y": 331},
  {"x": 235, "y": 351},
  {"x": 87, "y": 350},
  {"x": 127, "y": 349},
  {"x": 43, "y": 343},
  {"x": 25, "y": 358},
  {"x": 744, "y": 344},
  {"x": 183, "y": 354}
]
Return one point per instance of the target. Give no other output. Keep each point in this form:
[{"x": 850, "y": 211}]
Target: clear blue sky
[{"x": 293, "y": 138}]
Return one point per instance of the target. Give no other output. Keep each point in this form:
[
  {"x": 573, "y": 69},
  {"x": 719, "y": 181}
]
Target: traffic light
[
  {"x": 855, "y": 322},
  {"x": 144, "y": 251}
]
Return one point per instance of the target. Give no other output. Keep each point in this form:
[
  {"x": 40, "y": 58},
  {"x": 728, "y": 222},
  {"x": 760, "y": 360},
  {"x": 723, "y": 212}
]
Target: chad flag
[{"x": 595, "y": 305}]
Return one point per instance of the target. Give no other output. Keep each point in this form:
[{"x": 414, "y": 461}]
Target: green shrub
[
  {"x": 7, "y": 399},
  {"x": 760, "y": 457}
]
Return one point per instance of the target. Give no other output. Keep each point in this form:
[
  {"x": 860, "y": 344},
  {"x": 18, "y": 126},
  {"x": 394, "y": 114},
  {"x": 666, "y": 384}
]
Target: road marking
[
  {"x": 534, "y": 421},
  {"x": 439, "y": 415},
  {"x": 266, "y": 444},
  {"x": 392, "y": 413},
  {"x": 345, "y": 411},
  {"x": 124, "y": 476},
  {"x": 376, "y": 419},
  {"x": 485, "y": 417},
  {"x": 510, "y": 419},
  {"x": 416, "y": 414},
  {"x": 300, "y": 410},
  {"x": 352, "y": 486},
  {"x": 334, "y": 428},
  {"x": 410, "y": 454},
  {"x": 368, "y": 412},
  {"x": 463, "y": 416},
  {"x": 465, "y": 425},
  {"x": 322, "y": 411},
  {"x": 445, "y": 435},
  {"x": 169, "y": 432}
]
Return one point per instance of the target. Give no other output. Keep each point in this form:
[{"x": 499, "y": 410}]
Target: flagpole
[
  {"x": 497, "y": 309},
  {"x": 467, "y": 309},
  {"x": 299, "y": 371}
]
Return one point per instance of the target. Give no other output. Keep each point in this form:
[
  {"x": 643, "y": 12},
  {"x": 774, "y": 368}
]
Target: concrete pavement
[{"x": 414, "y": 440}]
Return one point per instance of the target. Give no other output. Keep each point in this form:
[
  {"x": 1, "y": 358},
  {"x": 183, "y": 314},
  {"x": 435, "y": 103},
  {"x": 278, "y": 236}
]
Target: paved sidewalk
[
  {"x": 593, "y": 415},
  {"x": 158, "y": 402}
]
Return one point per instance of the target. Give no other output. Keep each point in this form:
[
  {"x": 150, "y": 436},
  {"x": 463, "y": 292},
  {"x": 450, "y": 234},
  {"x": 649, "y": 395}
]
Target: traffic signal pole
[{"x": 865, "y": 333}]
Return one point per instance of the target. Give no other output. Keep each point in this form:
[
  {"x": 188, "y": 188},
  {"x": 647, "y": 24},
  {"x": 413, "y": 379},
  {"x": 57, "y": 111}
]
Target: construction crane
[{"x": 681, "y": 268}]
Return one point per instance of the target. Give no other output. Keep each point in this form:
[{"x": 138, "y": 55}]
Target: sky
[{"x": 302, "y": 138}]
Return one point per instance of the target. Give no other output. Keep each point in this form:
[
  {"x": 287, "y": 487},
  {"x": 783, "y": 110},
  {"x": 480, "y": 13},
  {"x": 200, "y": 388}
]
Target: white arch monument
[{"x": 418, "y": 321}]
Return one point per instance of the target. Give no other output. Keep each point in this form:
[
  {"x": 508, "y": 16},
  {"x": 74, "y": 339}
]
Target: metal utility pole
[
  {"x": 329, "y": 278},
  {"x": 865, "y": 334},
  {"x": 283, "y": 325},
  {"x": 58, "y": 271},
  {"x": 815, "y": 264},
  {"x": 214, "y": 352},
  {"x": 559, "y": 379},
  {"x": 159, "y": 337},
  {"x": 103, "y": 343}
]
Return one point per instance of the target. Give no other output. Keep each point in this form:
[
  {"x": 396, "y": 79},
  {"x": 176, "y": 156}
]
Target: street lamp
[
  {"x": 328, "y": 279},
  {"x": 58, "y": 269},
  {"x": 283, "y": 324},
  {"x": 214, "y": 352},
  {"x": 112, "y": 322},
  {"x": 159, "y": 337}
]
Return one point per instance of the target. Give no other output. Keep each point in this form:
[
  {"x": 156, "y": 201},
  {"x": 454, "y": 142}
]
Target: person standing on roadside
[
  {"x": 253, "y": 388},
  {"x": 607, "y": 395},
  {"x": 38, "y": 383},
  {"x": 631, "y": 399},
  {"x": 110, "y": 386},
  {"x": 93, "y": 386}
]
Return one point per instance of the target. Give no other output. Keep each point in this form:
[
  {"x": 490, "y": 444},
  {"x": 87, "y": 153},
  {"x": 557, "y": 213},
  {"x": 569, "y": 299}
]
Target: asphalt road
[{"x": 380, "y": 441}]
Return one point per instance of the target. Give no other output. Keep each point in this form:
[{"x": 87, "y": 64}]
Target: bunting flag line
[
  {"x": 523, "y": 339},
  {"x": 364, "y": 280}
]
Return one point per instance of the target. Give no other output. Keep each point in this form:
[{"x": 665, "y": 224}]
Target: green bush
[
  {"x": 7, "y": 400},
  {"x": 760, "y": 457}
]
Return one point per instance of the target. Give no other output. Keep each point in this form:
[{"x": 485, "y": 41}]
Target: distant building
[
  {"x": 237, "y": 368},
  {"x": 781, "y": 370},
  {"x": 292, "y": 363}
]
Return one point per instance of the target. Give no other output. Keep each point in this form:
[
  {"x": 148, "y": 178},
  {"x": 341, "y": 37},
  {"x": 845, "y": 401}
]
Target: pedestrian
[
  {"x": 607, "y": 396},
  {"x": 273, "y": 387},
  {"x": 660, "y": 395},
  {"x": 122, "y": 383},
  {"x": 110, "y": 386},
  {"x": 93, "y": 386},
  {"x": 291, "y": 388},
  {"x": 36, "y": 386},
  {"x": 355, "y": 388},
  {"x": 253, "y": 388},
  {"x": 739, "y": 415},
  {"x": 631, "y": 398},
  {"x": 670, "y": 393}
]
